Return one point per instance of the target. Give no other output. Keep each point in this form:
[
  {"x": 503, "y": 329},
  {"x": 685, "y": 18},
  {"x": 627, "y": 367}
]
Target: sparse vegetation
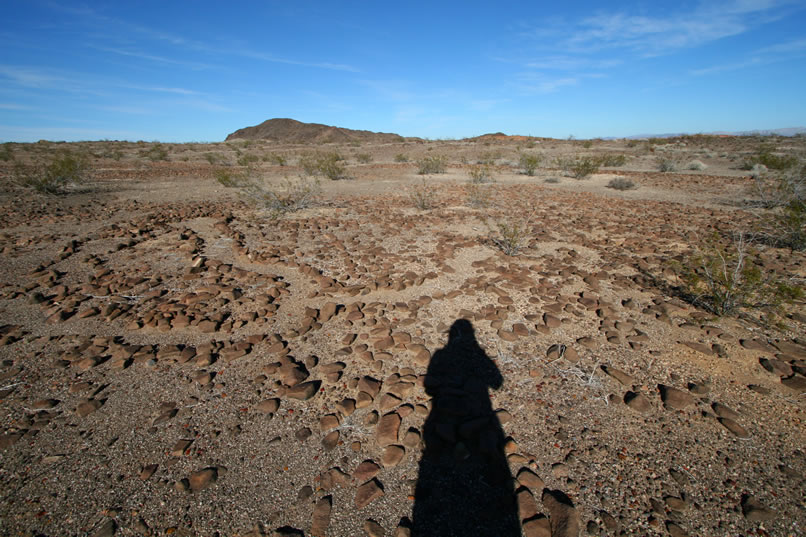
[
  {"x": 725, "y": 277},
  {"x": 529, "y": 162},
  {"x": 478, "y": 195},
  {"x": 481, "y": 173},
  {"x": 509, "y": 237},
  {"x": 584, "y": 167},
  {"x": 155, "y": 153},
  {"x": 53, "y": 176},
  {"x": 401, "y": 157},
  {"x": 6, "y": 154},
  {"x": 666, "y": 164},
  {"x": 275, "y": 158},
  {"x": 363, "y": 158},
  {"x": 248, "y": 159},
  {"x": 229, "y": 178},
  {"x": 432, "y": 164},
  {"x": 696, "y": 165},
  {"x": 611, "y": 161},
  {"x": 289, "y": 196},
  {"x": 773, "y": 161},
  {"x": 330, "y": 165},
  {"x": 424, "y": 196},
  {"x": 621, "y": 183}
]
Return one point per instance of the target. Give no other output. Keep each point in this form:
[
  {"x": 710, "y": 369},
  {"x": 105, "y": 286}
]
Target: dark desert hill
[{"x": 291, "y": 131}]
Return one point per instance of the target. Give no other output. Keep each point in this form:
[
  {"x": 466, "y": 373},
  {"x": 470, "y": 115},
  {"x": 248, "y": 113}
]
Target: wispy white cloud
[
  {"x": 537, "y": 83},
  {"x": 266, "y": 57},
  {"x": 14, "y": 106},
  {"x": 153, "y": 58},
  {"x": 30, "y": 77},
  {"x": 780, "y": 52},
  {"x": 48, "y": 132}
]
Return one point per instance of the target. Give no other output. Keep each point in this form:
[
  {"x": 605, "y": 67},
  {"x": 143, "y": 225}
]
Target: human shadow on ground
[{"x": 464, "y": 486}]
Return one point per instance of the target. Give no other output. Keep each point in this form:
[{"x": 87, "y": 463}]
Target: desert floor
[{"x": 179, "y": 361}]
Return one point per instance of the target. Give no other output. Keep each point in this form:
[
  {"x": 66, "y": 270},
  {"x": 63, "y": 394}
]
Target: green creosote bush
[
  {"x": 155, "y": 153},
  {"x": 481, "y": 174},
  {"x": 432, "y": 164},
  {"x": 584, "y": 167},
  {"x": 328, "y": 165},
  {"x": 6, "y": 154},
  {"x": 401, "y": 157},
  {"x": 54, "y": 176},
  {"x": 724, "y": 278},
  {"x": 766, "y": 157},
  {"x": 478, "y": 195},
  {"x": 229, "y": 178},
  {"x": 275, "y": 158},
  {"x": 509, "y": 237},
  {"x": 621, "y": 183},
  {"x": 488, "y": 158},
  {"x": 423, "y": 196},
  {"x": 248, "y": 159},
  {"x": 611, "y": 161},
  {"x": 363, "y": 158},
  {"x": 529, "y": 162}
]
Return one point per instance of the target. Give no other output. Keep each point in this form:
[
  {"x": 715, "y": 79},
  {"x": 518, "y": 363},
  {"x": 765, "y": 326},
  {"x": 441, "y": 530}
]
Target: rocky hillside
[{"x": 292, "y": 131}]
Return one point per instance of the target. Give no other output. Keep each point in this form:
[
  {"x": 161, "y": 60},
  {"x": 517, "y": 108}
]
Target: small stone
[
  {"x": 107, "y": 529},
  {"x": 202, "y": 479},
  {"x": 538, "y": 526},
  {"x": 638, "y": 402},
  {"x": 619, "y": 375},
  {"x": 180, "y": 447},
  {"x": 675, "y": 530},
  {"x": 148, "y": 471},
  {"x": 367, "y": 493},
  {"x": 304, "y": 390},
  {"x": 527, "y": 507},
  {"x": 675, "y": 399},
  {"x": 734, "y": 427},
  {"x": 331, "y": 440},
  {"x": 392, "y": 455},
  {"x": 321, "y": 516},
  {"x": 373, "y": 529},
  {"x": 563, "y": 516},
  {"x": 796, "y": 383},
  {"x": 269, "y": 406},
  {"x": 529, "y": 479},
  {"x": 755, "y": 511},
  {"x": 387, "y": 430},
  {"x": 87, "y": 407}
]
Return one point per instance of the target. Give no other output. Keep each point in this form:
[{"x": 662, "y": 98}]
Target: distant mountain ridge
[
  {"x": 287, "y": 130},
  {"x": 788, "y": 131}
]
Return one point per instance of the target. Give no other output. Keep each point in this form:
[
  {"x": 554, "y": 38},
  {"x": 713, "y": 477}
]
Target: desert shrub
[
  {"x": 247, "y": 159},
  {"x": 529, "y": 162},
  {"x": 621, "y": 183},
  {"x": 488, "y": 158},
  {"x": 583, "y": 167},
  {"x": 587, "y": 144},
  {"x": 696, "y": 165},
  {"x": 363, "y": 158},
  {"x": 275, "y": 158},
  {"x": 155, "y": 153},
  {"x": 666, "y": 164},
  {"x": 423, "y": 196},
  {"x": 229, "y": 178},
  {"x": 401, "y": 157},
  {"x": 786, "y": 227},
  {"x": 54, "y": 176},
  {"x": 772, "y": 161},
  {"x": 481, "y": 173},
  {"x": 509, "y": 237},
  {"x": 289, "y": 197},
  {"x": 212, "y": 158},
  {"x": 478, "y": 196},
  {"x": 725, "y": 277},
  {"x": 6, "y": 154},
  {"x": 329, "y": 165},
  {"x": 432, "y": 164},
  {"x": 611, "y": 161},
  {"x": 553, "y": 180}
]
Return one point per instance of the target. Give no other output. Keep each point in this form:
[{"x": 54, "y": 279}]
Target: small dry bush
[
  {"x": 481, "y": 173},
  {"x": 553, "y": 180},
  {"x": 423, "y": 196},
  {"x": 621, "y": 183},
  {"x": 248, "y": 159},
  {"x": 53, "y": 176},
  {"x": 432, "y": 164},
  {"x": 508, "y": 236},
  {"x": 488, "y": 158},
  {"x": 6, "y": 154},
  {"x": 275, "y": 158},
  {"x": 401, "y": 157},
  {"x": 724, "y": 277},
  {"x": 666, "y": 164},
  {"x": 529, "y": 162},
  {"x": 290, "y": 196},
  {"x": 229, "y": 178},
  {"x": 696, "y": 165},
  {"x": 611, "y": 161},
  {"x": 773, "y": 161},
  {"x": 155, "y": 153},
  {"x": 363, "y": 158}
]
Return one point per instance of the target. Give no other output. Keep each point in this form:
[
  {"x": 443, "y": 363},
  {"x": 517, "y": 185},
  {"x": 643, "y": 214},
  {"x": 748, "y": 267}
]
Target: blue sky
[{"x": 196, "y": 71}]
